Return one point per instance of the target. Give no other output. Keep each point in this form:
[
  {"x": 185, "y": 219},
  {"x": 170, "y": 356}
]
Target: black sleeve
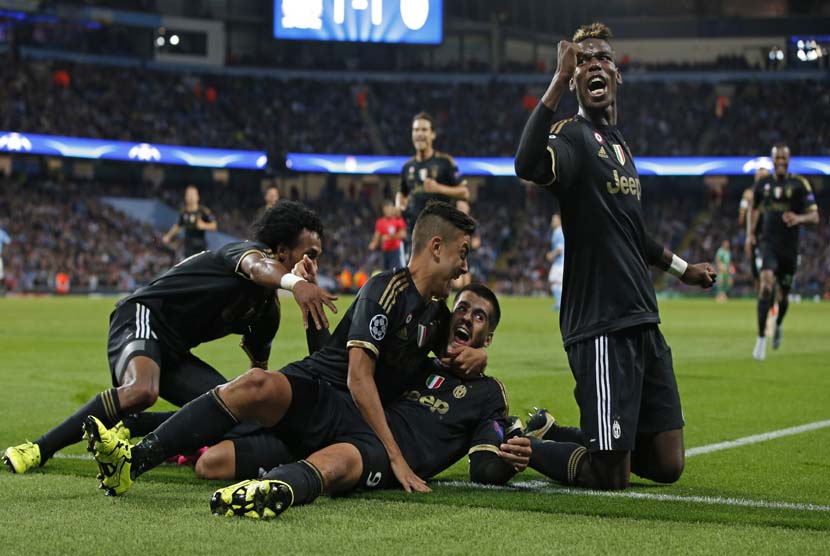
[
  {"x": 316, "y": 339},
  {"x": 207, "y": 215},
  {"x": 756, "y": 195},
  {"x": 181, "y": 218},
  {"x": 533, "y": 162},
  {"x": 256, "y": 341},
  {"x": 233, "y": 253},
  {"x": 453, "y": 176},
  {"x": 370, "y": 319},
  {"x": 653, "y": 252},
  {"x": 404, "y": 188},
  {"x": 489, "y": 469}
]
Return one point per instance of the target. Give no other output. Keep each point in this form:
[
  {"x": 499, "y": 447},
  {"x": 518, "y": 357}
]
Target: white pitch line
[
  {"x": 542, "y": 487},
  {"x": 754, "y": 439}
]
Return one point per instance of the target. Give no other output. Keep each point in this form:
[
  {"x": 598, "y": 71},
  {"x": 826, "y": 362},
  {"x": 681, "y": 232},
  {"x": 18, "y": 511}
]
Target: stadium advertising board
[
  {"x": 392, "y": 21},
  {"x": 103, "y": 149},
  {"x": 646, "y": 166}
]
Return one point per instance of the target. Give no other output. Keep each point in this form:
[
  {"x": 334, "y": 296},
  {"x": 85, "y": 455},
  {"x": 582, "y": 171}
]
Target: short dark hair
[
  {"x": 283, "y": 223},
  {"x": 780, "y": 145},
  {"x": 439, "y": 219},
  {"x": 595, "y": 30},
  {"x": 425, "y": 116},
  {"x": 483, "y": 291}
]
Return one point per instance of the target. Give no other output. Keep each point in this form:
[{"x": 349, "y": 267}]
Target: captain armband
[
  {"x": 678, "y": 266},
  {"x": 289, "y": 280}
]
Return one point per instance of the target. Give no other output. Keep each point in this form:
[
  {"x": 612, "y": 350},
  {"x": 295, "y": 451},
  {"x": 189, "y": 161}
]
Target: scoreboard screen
[{"x": 392, "y": 21}]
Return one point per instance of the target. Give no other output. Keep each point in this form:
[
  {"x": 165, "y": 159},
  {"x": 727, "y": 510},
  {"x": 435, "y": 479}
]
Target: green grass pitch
[{"x": 770, "y": 497}]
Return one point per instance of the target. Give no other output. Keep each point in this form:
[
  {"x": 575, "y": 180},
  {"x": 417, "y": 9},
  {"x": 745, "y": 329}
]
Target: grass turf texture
[{"x": 53, "y": 358}]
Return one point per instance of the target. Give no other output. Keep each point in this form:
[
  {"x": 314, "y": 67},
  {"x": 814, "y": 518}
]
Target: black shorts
[
  {"x": 625, "y": 386},
  {"x": 783, "y": 262},
  {"x": 134, "y": 331},
  {"x": 319, "y": 416}
]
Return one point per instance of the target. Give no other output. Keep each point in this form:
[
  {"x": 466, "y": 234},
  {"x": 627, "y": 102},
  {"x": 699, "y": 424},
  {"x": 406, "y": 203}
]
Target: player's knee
[
  {"x": 214, "y": 465},
  {"x": 139, "y": 396},
  {"x": 668, "y": 471},
  {"x": 253, "y": 386}
]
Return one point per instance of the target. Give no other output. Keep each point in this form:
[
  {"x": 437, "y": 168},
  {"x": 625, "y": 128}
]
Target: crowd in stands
[
  {"x": 473, "y": 119},
  {"x": 61, "y": 226}
]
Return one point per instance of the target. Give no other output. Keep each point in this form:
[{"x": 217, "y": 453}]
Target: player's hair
[
  {"x": 425, "y": 116},
  {"x": 283, "y": 223},
  {"x": 595, "y": 30},
  {"x": 440, "y": 219},
  {"x": 483, "y": 291},
  {"x": 780, "y": 145}
]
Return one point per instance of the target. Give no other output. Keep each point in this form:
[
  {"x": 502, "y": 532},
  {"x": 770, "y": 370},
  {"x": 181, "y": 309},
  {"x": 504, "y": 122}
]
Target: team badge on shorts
[
  {"x": 377, "y": 327},
  {"x": 616, "y": 431},
  {"x": 459, "y": 391}
]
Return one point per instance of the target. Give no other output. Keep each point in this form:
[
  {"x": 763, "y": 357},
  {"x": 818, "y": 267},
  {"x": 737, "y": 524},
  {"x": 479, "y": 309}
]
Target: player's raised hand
[
  {"x": 408, "y": 479},
  {"x": 566, "y": 59},
  {"x": 311, "y": 298},
  {"x": 306, "y": 268},
  {"x": 516, "y": 451},
  {"x": 700, "y": 274},
  {"x": 465, "y": 362}
]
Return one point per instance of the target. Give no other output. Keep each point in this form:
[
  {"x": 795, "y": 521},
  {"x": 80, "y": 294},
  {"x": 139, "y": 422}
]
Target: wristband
[
  {"x": 678, "y": 266},
  {"x": 288, "y": 281}
]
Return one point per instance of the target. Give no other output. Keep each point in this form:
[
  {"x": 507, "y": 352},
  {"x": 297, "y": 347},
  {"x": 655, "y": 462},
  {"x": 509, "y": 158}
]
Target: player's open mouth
[
  {"x": 596, "y": 87},
  {"x": 461, "y": 335}
]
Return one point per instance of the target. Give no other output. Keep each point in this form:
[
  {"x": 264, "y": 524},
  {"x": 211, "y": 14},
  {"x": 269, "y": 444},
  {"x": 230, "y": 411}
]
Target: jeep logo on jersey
[
  {"x": 624, "y": 185},
  {"x": 377, "y": 327}
]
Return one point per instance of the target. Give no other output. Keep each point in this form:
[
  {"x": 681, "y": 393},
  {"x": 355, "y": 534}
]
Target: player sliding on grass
[
  {"x": 205, "y": 297},
  {"x": 377, "y": 351},
  {"x": 625, "y": 384}
]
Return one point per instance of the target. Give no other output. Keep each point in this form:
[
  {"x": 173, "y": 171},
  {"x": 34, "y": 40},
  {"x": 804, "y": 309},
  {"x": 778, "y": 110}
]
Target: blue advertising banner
[
  {"x": 646, "y": 166},
  {"x": 103, "y": 149},
  {"x": 393, "y": 21}
]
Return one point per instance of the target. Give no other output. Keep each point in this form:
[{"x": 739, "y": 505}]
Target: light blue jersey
[
  {"x": 4, "y": 239},
  {"x": 557, "y": 240}
]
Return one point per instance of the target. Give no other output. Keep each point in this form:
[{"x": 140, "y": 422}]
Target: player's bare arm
[
  {"x": 698, "y": 274},
  {"x": 207, "y": 226},
  {"x": 272, "y": 274},
  {"x": 792, "y": 219},
  {"x": 171, "y": 233},
  {"x": 401, "y": 201},
  {"x": 460, "y": 192},
  {"x": 361, "y": 383}
]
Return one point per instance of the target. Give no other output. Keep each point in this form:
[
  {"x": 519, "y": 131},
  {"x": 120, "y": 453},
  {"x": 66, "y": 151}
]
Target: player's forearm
[
  {"x": 531, "y": 154},
  {"x": 365, "y": 395},
  {"x": 401, "y": 201},
  {"x": 208, "y": 226},
  {"x": 459, "y": 192},
  {"x": 267, "y": 274},
  {"x": 809, "y": 218}
]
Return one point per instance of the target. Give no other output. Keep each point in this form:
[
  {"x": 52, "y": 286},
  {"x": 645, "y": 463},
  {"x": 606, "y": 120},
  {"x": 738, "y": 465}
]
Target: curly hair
[
  {"x": 283, "y": 223},
  {"x": 595, "y": 30}
]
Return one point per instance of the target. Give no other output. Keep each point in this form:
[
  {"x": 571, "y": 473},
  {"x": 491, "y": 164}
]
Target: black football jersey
[
  {"x": 206, "y": 296},
  {"x": 390, "y": 319},
  {"x": 442, "y": 418},
  {"x": 607, "y": 283},
  {"x": 194, "y": 237},
  {"x": 773, "y": 197},
  {"x": 440, "y": 167}
]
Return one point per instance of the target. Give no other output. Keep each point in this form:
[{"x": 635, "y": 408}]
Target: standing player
[
  {"x": 4, "y": 239},
  {"x": 556, "y": 257},
  {"x": 272, "y": 195},
  {"x": 429, "y": 175},
  {"x": 196, "y": 219},
  {"x": 785, "y": 201},
  {"x": 204, "y": 297},
  {"x": 723, "y": 261},
  {"x": 380, "y": 345},
  {"x": 390, "y": 231},
  {"x": 625, "y": 383}
]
